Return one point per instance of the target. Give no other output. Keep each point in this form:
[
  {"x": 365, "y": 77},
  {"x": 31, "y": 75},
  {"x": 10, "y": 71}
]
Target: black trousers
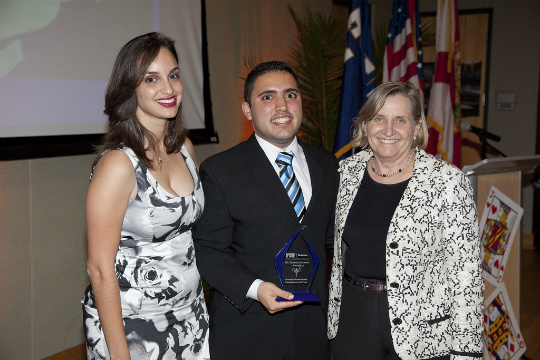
[
  {"x": 364, "y": 326},
  {"x": 308, "y": 339}
]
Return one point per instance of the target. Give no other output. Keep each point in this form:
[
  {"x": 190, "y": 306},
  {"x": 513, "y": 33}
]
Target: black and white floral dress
[{"x": 163, "y": 306}]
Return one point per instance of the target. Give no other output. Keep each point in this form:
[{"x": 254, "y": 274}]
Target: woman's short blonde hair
[{"x": 376, "y": 101}]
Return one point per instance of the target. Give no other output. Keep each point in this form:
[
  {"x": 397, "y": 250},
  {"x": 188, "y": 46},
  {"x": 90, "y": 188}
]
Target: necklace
[
  {"x": 158, "y": 157},
  {"x": 392, "y": 174}
]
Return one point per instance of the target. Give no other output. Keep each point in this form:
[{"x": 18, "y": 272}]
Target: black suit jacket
[{"x": 247, "y": 219}]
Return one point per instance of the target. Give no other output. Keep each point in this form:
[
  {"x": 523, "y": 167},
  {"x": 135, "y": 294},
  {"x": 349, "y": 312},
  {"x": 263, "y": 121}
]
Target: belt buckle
[
  {"x": 371, "y": 286},
  {"x": 366, "y": 286}
]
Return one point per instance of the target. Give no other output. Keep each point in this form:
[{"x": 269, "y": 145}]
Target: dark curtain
[{"x": 536, "y": 180}]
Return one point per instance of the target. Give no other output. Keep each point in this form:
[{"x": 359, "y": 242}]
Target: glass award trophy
[{"x": 296, "y": 264}]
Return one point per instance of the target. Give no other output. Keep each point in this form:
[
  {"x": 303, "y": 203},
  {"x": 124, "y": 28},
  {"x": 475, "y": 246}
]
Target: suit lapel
[
  {"x": 263, "y": 172},
  {"x": 351, "y": 174},
  {"x": 315, "y": 174}
]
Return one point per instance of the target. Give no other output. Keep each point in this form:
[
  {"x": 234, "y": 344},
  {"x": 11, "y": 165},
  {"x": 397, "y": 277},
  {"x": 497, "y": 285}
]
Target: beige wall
[
  {"x": 42, "y": 255},
  {"x": 42, "y": 228}
]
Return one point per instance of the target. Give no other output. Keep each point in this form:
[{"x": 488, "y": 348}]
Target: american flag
[
  {"x": 444, "y": 100},
  {"x": 403, "y": 52}
]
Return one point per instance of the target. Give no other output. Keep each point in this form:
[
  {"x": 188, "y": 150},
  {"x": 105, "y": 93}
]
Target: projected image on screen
[{"x": 56, "y": 57}]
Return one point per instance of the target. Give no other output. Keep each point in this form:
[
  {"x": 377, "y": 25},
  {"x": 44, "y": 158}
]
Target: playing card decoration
[
  {"x": 498, "y": 228},
  {"x": 502, "y": 336}
]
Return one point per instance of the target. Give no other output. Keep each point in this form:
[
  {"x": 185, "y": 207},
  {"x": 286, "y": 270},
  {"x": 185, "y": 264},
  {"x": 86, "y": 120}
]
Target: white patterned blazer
[{"x": 433, "y": 269}]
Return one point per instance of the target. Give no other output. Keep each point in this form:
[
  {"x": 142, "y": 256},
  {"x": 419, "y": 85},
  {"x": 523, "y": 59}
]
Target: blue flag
[{"x": 358, "y": 75}]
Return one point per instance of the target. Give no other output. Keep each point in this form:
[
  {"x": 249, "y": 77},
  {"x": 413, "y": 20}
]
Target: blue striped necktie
[{"x": 290, "y": 183}]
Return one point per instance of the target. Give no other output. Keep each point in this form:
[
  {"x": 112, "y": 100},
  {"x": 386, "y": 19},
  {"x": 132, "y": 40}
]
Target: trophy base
[{"x": 299, "y": 295}]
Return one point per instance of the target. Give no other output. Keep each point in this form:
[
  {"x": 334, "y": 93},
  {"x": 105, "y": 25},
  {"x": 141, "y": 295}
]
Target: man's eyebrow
[
  {"x": 267, "y": 92},
  {"x": 292, "y": 90},
  {"x": 271, "y": 91}
]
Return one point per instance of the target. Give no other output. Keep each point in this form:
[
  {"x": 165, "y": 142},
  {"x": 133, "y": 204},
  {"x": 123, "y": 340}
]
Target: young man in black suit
[{"x": 249, "y": 217}]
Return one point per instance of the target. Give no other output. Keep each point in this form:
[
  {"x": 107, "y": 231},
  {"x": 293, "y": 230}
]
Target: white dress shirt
[
  {"x": 299, "y": 164},
  {"x": 301, "y": 170}
]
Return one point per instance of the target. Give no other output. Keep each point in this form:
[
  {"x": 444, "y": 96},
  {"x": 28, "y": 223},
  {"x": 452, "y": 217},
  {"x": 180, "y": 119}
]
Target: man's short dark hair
[{"x": 261, "y": 69}]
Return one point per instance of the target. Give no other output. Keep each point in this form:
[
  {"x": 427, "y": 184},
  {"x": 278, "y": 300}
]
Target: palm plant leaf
[
  {"x": 379, "y": 44},
  {"x": 318, "y": 62}
]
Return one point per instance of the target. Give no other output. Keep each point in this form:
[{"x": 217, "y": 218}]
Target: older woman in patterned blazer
[{"x": 406, "y": 276}]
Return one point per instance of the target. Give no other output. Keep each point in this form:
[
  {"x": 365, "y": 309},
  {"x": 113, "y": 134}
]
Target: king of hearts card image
[{"x": 502, "y": 337}]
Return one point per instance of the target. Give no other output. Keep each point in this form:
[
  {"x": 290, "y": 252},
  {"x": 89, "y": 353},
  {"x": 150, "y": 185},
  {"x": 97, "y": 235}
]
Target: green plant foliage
[
  {"x": 428, "y": 29},
  {"x": 380, "y": 35},
  {"x": 318, "y": 63}
]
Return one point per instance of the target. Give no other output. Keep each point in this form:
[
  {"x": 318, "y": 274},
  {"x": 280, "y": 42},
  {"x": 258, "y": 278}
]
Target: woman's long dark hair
[{"x": 129, "y": 69}]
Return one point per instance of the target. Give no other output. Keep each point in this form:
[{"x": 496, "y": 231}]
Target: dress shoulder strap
[{"x": 100, "y": 156}]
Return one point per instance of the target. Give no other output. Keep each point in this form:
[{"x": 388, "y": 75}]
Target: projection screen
[{"x": 56, "y": 57}]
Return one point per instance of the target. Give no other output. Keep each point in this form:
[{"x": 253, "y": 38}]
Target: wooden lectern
[{"x": 506, "y": 175}]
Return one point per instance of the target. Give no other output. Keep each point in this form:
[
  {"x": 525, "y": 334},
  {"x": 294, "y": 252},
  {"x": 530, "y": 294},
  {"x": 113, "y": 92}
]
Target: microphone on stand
[{"x": 483, "y": 134}]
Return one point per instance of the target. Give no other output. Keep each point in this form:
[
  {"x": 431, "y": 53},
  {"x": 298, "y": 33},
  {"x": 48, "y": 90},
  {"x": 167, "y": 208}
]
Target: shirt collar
[{"x": 272, "y": 151}]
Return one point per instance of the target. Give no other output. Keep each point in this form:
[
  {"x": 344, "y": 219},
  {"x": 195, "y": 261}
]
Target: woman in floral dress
[{"x": 145, "y": 298}]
